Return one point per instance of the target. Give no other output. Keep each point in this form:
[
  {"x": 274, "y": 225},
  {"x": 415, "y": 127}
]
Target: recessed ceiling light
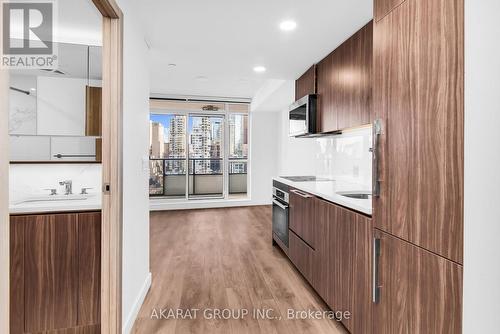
[
  {"x": 172, "y": 65},
  {"x": 201, "y": 79},
  {"x": 288, "y": 25},
  {"x": 259, "y": 69}
]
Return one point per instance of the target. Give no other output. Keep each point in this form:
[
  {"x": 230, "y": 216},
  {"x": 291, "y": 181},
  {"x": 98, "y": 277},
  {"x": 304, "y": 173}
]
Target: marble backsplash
[{"x": 26, "y": 180}]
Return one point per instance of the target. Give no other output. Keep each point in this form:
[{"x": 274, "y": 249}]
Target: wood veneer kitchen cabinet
[
  {"x": 418, "y": 65},
  {"x": 420, "y": 292},
  {"x": 344, "y": 83},
  {"x": 383, "y": 7},
  {"x": 342, "y": 263},
  {"x": 306, "y": 84},
  {"x": 52, "y": 260},
  {"x": 301, "y": 255},
  {"x": 341, "y": 237},
  {"x": 328, "y": 78},
  {"x": 302, "y": 211}
]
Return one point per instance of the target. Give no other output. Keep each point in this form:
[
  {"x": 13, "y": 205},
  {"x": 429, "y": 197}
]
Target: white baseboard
[{"x": 127, "y": 327}]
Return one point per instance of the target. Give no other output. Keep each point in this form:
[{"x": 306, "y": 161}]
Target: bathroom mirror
[{"x": 55, "y": 115}]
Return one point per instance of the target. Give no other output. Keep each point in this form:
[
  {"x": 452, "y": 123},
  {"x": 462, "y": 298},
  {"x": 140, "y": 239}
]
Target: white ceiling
[{"x": 223, "y": 40}]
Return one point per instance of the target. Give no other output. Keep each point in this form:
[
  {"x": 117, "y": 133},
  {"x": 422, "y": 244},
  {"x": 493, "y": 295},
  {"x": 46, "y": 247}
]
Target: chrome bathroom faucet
[{"x": 68, "y": 187}]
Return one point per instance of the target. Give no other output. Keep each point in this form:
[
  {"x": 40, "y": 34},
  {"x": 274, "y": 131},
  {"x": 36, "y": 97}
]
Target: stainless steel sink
[{"x": 356, "y": 194}]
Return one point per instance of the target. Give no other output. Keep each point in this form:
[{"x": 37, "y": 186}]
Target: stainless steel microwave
[{"x": 302, "y": 116}]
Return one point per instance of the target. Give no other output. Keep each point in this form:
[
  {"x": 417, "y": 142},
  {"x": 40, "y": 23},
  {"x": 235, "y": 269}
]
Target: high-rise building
[
  {"x": 157, "y": 137},
  {"x": 201, "y": 141},
  {"x": 177, "y": 137}
]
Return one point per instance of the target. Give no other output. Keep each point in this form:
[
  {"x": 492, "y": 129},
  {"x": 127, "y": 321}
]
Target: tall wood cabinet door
[
  {"x": 89, "y": 268},
  {"x": 437, "y": 47},
  {"x": 306, "y": 84},
  {"x": 302, "y": 207},
  {"x": 418, "y": 50},
  {"x": 341, "y": 234},
  {"x": 383, "y": 7},
  {"x": 51, "y": 272},
  {"x": 392, "y": 106},
  {"x": 420, "y": 292}
]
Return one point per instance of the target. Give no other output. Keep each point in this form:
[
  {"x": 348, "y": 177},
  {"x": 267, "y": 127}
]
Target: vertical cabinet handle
[
  {"x": 377, "y": 131},
  {"x": 375, "y": 284}
]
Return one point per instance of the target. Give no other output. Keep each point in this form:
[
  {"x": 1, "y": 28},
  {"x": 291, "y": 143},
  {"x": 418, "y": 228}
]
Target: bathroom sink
[
  {"x": 356, "y": 194},
  {"x": 53, "y": 198}
]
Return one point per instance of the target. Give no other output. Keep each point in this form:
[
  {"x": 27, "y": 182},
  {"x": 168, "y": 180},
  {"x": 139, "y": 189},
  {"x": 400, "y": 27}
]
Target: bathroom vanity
[{"x": 55, "y": 272}]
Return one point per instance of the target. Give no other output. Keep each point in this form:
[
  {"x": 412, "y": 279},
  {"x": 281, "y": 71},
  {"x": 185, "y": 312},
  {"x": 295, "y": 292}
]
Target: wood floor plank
[{"x": 224, "y": 259}]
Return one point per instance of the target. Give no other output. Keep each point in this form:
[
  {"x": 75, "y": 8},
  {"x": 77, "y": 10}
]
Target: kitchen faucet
[{"x": 68, "y": 187}]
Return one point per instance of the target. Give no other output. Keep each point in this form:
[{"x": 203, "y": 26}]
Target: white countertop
[
  {"x": 328, "y": 191},
  {"x": 93, "y": 203}
]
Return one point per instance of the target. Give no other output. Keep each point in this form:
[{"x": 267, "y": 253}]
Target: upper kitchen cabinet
[
  {"x": 418, "y": 93},
  {"x": 344, "y": 83},
  {"x": 306, "y": 84},
  {"x": 383, "y": 7}
]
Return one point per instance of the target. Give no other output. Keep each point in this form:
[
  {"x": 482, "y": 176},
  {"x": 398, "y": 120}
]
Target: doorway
[{"x": 111, "y": 225}]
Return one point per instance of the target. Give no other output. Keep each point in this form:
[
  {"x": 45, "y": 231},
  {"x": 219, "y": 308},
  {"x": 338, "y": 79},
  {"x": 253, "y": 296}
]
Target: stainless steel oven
[{"x": 280, "y": 212}]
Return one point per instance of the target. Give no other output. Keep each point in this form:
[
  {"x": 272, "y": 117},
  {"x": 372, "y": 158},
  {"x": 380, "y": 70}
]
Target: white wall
[
  {"x": 264, "y": 155},
  {"x": 136, "y": 275},
  {"x": 482, "y": 168}
]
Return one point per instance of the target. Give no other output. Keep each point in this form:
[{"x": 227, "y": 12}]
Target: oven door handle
[{"x": 284, "y": 207}]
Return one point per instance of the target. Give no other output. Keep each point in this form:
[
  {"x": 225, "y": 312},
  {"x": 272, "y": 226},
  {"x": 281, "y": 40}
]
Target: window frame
[{"x": 157, "y": 109}]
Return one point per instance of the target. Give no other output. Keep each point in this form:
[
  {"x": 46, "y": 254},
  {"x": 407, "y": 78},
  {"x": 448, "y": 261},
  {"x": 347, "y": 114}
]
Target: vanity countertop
[
  {"x": 93, "y": 203},
  {"x": 328, "y": 190}
]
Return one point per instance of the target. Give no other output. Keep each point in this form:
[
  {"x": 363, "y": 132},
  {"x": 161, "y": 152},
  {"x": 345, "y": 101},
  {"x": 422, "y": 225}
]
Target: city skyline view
[{"x": 200, "y": 138}]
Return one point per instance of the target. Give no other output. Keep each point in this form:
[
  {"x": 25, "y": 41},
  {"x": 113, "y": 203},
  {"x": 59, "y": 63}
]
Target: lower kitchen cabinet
[
  {"x": 302, "y": 211},
  {"x": 301, "y": 256},
  {"x": 55, "y": 273},
  {"x": 419, "y": 291},
  {"x": 342, "y": 263},
  {"x": 341, "y": 235}
]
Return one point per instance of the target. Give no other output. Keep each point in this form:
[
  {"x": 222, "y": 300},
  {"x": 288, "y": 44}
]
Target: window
[
  {"x": 198, "y": 154},
  {"x": 238, "y": 153}
]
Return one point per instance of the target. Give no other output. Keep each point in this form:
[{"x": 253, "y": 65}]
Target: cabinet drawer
[
  {"x": 301, "y": 256},
  {"x": 302, "y": 214}
]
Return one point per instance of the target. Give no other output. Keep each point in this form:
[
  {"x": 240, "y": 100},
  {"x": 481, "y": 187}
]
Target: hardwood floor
[{"x": 224, "y": 259}]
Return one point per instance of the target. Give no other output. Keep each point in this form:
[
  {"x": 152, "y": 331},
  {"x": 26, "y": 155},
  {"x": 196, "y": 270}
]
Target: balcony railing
[{"x": 206, "y": 178}]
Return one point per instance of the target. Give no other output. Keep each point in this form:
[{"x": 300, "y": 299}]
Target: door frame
[{"x": 112, "y": 165}]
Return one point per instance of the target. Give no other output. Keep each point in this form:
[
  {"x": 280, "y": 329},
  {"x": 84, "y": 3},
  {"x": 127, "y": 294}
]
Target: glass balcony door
[
  {"x": 206, "y": 156},
  {"x": 168, "y": 155}
]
